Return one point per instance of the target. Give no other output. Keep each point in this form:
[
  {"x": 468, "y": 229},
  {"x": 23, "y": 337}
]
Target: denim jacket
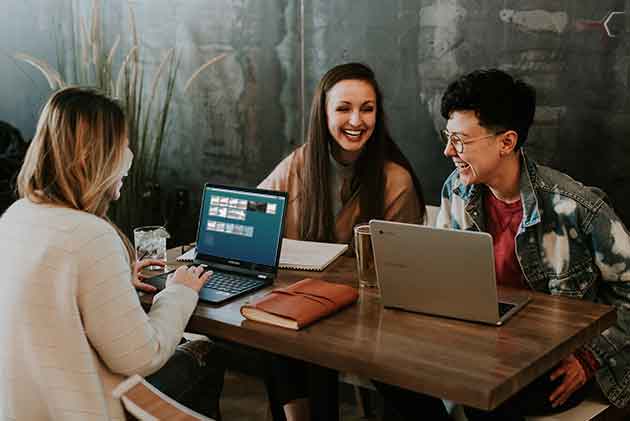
[{"x": 571, "y": 243}]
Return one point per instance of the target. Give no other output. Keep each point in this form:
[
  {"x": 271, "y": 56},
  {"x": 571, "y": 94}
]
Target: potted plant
[{"x": 147, "y": 105}]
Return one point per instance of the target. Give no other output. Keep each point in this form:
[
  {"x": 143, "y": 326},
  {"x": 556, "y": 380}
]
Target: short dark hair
[{"x": 499, "y": 101}]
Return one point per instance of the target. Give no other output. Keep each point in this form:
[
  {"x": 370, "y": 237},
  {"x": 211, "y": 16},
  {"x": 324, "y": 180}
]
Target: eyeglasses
[{"x": 458, "y": 143}]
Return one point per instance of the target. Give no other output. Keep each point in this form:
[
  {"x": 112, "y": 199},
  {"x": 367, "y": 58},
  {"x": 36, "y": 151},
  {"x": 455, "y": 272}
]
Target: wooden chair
[
  {"x": 144, "y": 402},
  {"x": 432, "y": 214}
]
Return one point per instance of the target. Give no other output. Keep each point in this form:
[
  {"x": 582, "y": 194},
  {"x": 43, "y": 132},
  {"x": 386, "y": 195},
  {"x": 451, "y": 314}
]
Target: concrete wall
[
  {"x": 417, "y": 47},
  {"x": 25, "y": 26},
  {"x": 247, "y": 112},
  {"x": 237, "y": 120}
]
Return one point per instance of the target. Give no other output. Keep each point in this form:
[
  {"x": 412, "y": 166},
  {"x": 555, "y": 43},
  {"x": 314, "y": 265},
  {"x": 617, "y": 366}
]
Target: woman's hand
[
  {"x": 193, "y": 277},
  {"x": 138, "y": 277}
]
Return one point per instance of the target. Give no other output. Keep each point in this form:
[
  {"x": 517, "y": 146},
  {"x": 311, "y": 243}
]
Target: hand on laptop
[
  {"x": 193, "y": 277},
  {"x": 138, "y": 277}
]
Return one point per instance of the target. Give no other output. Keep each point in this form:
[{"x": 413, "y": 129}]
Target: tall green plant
[{"x": 147, "y": 107}]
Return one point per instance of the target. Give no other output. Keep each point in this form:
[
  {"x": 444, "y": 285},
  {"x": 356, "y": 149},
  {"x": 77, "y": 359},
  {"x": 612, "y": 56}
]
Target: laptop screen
[{"x": 241, "y": 227}]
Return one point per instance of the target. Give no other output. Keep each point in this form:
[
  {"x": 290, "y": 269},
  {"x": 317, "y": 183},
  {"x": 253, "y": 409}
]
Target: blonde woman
[{"x": 71, "y": 323}]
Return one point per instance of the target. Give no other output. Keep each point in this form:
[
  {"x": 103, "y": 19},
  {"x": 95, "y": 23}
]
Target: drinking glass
[
  {"x": 366, "y": 271},
  {"x": 150, "y": 243}
]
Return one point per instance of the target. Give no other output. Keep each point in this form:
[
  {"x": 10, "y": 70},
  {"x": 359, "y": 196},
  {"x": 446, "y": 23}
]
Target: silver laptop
[{"x": 440, "y": 272}]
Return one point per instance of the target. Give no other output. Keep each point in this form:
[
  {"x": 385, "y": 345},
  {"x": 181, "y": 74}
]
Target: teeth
[{"x": 352, "y": 132}]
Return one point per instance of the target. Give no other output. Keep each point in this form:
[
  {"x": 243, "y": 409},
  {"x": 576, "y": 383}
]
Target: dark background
[{"x": 246, "y": 113}]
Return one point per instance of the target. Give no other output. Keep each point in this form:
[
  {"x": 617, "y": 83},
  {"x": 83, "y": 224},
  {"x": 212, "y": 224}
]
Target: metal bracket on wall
[{"x": 607, "y": 24}]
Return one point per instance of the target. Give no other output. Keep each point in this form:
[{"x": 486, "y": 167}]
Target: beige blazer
[{"x": 71, "y": 323}]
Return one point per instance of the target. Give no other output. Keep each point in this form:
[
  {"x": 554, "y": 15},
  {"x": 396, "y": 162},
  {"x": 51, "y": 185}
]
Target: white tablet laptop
[{"x": 440, "y": 272}]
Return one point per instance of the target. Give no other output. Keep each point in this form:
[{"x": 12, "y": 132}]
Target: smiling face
[
  {"x": 480, "y": 160},
  {"x": 351, "y": 117}
]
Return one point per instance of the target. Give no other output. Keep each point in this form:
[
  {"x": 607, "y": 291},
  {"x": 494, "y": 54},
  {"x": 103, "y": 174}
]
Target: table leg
[{"x": 324, "y": 393}]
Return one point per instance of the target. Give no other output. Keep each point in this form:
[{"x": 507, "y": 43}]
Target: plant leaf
[
  {"x": 202, "y": 68},
  {"x": 121, "y": 71},
  {"x": 52, "y": 76},
  {"x": 168, "y": 59},
  {"x": 96, "y": 40},
  {"x": 132, "y": 24},
  {"x": 112, "y": 51},
  {"x": 96, "y": 18}
]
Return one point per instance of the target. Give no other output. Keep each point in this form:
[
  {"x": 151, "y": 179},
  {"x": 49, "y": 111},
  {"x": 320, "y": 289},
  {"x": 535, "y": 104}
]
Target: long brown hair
[
  {"x": 77, "y": 154},
  {"x": 315, "y": 206}
]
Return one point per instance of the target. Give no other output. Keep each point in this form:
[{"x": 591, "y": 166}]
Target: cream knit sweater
[{"x": 71, "y": 324}]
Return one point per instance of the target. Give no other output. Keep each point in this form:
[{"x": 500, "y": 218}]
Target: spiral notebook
[{"x": 297, "y": 254}]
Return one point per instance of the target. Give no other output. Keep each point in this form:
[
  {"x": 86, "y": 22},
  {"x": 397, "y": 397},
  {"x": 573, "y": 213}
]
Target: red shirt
[{"x": 502, "y": 222}]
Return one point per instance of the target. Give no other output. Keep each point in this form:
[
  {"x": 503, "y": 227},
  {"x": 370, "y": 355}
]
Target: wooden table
[{"x": 469, "y": 363}]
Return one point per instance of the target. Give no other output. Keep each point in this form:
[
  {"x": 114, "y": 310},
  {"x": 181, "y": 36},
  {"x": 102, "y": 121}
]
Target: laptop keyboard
[
  {"x": 231, "y": 283},
  {"x": 226, "y": 282},
  {"x": 504, "y": 308}
]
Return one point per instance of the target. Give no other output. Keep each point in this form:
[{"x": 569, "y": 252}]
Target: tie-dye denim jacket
[{"x": 571, "y": 243}]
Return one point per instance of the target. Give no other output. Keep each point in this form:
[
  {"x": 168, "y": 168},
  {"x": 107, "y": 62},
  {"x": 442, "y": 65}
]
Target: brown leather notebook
[{"x": 300, "y": 304}]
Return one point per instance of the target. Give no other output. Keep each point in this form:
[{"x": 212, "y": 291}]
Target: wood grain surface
[{"x": 469, "y": 363}]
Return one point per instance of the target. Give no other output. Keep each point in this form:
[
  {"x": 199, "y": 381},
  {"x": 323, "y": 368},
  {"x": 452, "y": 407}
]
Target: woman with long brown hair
[
  {"x": 348, "y": 172},
  {"x": 71, "y": 323}
]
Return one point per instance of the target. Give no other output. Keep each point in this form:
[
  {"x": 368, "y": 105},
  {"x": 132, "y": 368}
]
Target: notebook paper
[
  {"x": 309, "y": 255},
  {"x": 297, "y": 254}
]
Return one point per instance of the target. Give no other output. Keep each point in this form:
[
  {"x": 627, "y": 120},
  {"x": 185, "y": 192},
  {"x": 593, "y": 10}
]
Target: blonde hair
[{"x": 77, "y": 155}]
